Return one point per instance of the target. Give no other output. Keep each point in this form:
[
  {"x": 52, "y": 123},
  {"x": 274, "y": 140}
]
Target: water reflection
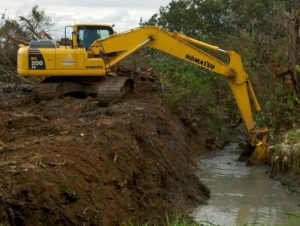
[{"x": 241, "y": 194}]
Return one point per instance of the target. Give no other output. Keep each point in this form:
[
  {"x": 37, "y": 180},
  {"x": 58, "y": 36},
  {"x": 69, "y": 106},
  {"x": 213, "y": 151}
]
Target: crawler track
[{"x": 105, "y": 89}]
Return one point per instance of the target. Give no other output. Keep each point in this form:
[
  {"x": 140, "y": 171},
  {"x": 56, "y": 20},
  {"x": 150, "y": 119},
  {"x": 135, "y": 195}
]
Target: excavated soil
[{"x": 68, "y": 161}]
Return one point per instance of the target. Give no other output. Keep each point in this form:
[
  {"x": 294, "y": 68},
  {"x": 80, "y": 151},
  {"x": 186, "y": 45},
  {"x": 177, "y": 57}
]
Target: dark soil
[{"x": 70, "y": 162}]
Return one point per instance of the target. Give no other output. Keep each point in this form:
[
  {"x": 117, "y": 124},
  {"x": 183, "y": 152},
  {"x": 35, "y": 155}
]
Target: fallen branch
[
  {"x": 30, "y": 27},
  {"x": 115, "y": 158},
  {"x": 57, "y": 163},
  {"x": 3, "y": 146},
  {"x": 8, "y": 163},
  {"x": 16, "y": 41},
  {"x": 11, "y": 72},
  {"x": 85, "y": 210}
]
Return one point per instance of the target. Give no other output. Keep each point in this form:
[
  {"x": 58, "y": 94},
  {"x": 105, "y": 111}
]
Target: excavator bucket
[{"x": 260, "y": 152}]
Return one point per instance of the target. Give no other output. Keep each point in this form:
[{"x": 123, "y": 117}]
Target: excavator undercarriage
[{"x": 105, "y": 89}]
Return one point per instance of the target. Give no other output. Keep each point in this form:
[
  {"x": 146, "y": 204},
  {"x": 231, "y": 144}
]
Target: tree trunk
[{"x": 294, "y": 49}]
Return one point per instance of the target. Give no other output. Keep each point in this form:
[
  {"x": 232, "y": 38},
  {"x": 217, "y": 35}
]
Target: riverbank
[
  {"x": 285, "y": 160},
  {"x": 68, "y": 161}
]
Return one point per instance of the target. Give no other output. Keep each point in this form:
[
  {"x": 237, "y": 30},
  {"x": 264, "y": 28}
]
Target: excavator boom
[
  {"x": 105, "y": 53},
  {"x": 191, "y": 50}
]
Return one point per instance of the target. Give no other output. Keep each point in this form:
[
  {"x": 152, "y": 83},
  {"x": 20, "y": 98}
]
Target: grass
[
  {"x": 286, "y": 155},
  {"x": 294, "y": 135}
]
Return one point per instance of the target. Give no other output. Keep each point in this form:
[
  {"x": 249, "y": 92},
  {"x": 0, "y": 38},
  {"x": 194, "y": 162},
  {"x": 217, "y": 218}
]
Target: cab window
[{"x": 87, "y": 35}]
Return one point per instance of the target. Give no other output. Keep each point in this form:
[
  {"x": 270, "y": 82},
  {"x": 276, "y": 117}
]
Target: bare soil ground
[{"x": 70, "y": 162}]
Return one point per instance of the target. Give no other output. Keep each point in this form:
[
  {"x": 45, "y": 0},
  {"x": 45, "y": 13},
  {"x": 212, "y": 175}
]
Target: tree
[
  {"x": 192, "y": 17},
  {"x": 265, "y": 33},
  {"x": 293, "y": 27},
  {"x": 21, "y": 31}
]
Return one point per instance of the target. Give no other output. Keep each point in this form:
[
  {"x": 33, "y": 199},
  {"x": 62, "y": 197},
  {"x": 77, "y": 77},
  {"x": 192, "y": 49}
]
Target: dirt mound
[{"x": 70, "y": 162}]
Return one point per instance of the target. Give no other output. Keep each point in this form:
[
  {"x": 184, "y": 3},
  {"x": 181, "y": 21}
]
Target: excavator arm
[{"x": 190, "y": 50}]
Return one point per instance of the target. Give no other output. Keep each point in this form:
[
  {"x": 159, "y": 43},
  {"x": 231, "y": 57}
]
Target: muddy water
[{"x": 241, "y": 194}]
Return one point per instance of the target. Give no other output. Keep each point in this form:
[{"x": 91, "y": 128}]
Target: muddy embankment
[{"x": 70, "y": 162}]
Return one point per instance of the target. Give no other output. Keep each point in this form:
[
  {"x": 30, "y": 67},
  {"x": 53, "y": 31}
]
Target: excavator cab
[{"x": 83, "y": 36}]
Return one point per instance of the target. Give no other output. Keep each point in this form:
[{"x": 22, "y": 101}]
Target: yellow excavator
[{"x": 90, "y": 65}]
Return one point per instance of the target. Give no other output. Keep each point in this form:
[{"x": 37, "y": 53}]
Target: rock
[
  {"x": 8, "y": 88},
  {"x": 26, "y": 88},
  {"x": 139, "y": 108}
]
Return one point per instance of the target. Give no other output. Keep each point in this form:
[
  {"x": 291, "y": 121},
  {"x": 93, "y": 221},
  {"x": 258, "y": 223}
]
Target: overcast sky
[{"x": 124, "y": 14}]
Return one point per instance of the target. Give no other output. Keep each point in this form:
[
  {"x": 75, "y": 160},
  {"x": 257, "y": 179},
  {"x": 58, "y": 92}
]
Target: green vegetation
[
  {"x": 190, "y": 89},
  {"x": 263, "y": 32},
  {"x": 67, "y": 193},
  {"x": 260, "y": 32},
  {"x": 286, "y": 154}
]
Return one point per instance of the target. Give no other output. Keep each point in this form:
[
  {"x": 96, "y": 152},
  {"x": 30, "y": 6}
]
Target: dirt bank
[{"x": 69, "y": 162}]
